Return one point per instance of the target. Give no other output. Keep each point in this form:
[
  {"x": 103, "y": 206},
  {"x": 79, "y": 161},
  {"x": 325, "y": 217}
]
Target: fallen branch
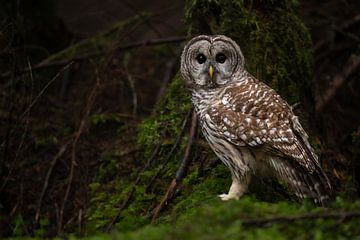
[
  {"x": 342, "y": 216},
  {"x": 46, "y": 64},
  {"x": 181, "y": 173}
]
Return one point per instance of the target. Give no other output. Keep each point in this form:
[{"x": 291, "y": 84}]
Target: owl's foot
[
  {"x": 226, "y": 197},
  {"x": 236, "y": 190}
]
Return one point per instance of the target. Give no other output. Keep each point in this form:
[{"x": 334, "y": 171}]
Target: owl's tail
[{"x": 314, "y": 185}]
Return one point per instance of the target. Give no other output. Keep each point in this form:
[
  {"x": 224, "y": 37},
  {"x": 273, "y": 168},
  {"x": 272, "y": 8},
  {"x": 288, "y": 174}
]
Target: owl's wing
[{"x": 255, "y": 115}]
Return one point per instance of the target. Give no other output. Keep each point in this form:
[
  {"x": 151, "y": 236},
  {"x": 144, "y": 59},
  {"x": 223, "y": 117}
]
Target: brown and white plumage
[{"x": 247, "y": 124}]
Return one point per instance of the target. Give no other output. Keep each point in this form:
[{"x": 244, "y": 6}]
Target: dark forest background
[{"x": 84, "y": 82}]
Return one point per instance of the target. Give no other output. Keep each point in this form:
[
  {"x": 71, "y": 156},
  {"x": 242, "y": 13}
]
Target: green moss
[
  {"x": 275, "y": 42},
  {"x": 223, "y": 220},
  {"x": 97, "y": 119},
  {"x": 168, "y": 116}
]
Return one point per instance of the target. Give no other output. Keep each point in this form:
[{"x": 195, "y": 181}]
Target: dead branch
[
  {"x": 68, "y": 65},
  {"x": 339, "y": 29},
  {"x": 47, "y": 178},
  {"x": 133, "y": 93},
  {"x": 167, "y": 77},
  {"x": 171, "y": 152},
  {"x": 46, "y": 64},
  {"x": 342, "y": 216},
  {"x": 126, "y": 202},
  {"x": 339, "y": 80},
  {"x": 26, "y": 113},
  {"x": 90, "y": 103},
  {"x": 181, "y": 172}
]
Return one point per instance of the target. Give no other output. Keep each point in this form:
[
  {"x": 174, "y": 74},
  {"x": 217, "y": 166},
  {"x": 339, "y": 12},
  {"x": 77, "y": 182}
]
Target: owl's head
[{"x": 208, "y": 62}]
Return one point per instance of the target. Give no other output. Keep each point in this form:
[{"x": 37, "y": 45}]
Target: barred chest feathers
[{"x": 238, "y": 159}]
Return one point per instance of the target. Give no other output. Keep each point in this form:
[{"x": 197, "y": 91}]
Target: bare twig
[
  {"x": 150, "y": 42},
  {"x": 171, "y": 152},
  {"x": 26, "y": 113},
  {"x": 339, "y": 80},
  {"x": 46, "y": 87},
  {"x": 307, "y": 216},
  {"x": 181, "y": 173},
  {"x": 90, "y": 103},
  {"x": 133, "y": 92},
  {"x": 339, "y": 29},
  {"x": 136, "y": 10},
  {"x": 126, "y": 202},
  {"x": 23, "y": 134},
  {"x": 167, "y": 77},
  {"x": 47, "y": 178}
]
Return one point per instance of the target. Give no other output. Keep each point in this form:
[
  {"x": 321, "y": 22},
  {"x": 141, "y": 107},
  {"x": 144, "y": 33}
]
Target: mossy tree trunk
[{"x": 276, "y": 45}]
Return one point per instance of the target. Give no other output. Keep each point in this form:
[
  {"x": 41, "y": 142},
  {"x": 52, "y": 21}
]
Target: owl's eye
[
  {"x": 220, "y": 58},
  {"x": 201, "y": 58}
]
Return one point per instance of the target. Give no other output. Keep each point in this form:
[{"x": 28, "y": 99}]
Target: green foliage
[
  {"x": 168, "y": 117},
  {"x": 223, "y": 220},
  {"x": 41, "y": 231},
  {"x": 97, "y": 119},
  {"x": 103, "y": 205},
  {"x": 18, "y": 229}
]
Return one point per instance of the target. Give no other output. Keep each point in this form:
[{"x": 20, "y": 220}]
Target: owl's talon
[{"x": 226, "y": 197}]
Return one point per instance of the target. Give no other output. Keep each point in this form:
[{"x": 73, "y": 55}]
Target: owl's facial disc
[{"x": 210, "y": 62}]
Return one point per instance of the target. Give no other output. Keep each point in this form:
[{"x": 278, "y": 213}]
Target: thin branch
[
  {"x": 46, "y": 86},
  {"x": 339, "y": 80},
  {"x": 24, "y": 114},
  {"x": 90, "y": 103},
  {"x": 181, "y": 172},
  {"x": 339, "y": 29},
  {"x": 171, "y": 152},
  {"x": 133, "y": 93},
  {"x": 307, "y": 216},
  {"x": 126, "y": 202},
  {"x": 167, "y": 77},
  {"x": 47, "y": 178},
  {"x": 150, "y": 42}
]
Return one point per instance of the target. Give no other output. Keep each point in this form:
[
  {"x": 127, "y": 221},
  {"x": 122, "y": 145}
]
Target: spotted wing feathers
[{"x": 252, "y": 114}]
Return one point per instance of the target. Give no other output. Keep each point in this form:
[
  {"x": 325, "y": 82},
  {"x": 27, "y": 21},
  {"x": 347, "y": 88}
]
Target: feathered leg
[{"x": 237, "y": 188}]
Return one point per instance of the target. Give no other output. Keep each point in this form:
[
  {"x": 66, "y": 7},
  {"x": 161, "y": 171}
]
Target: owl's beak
[{"x": 211, "y": 71}]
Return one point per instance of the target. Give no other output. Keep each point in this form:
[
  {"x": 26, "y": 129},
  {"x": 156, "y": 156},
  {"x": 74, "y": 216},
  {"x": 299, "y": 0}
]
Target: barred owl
[{"x": 247, "y": 124}]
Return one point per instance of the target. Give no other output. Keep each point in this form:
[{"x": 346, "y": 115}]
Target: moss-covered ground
[{"x": 213, "y": 219}]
